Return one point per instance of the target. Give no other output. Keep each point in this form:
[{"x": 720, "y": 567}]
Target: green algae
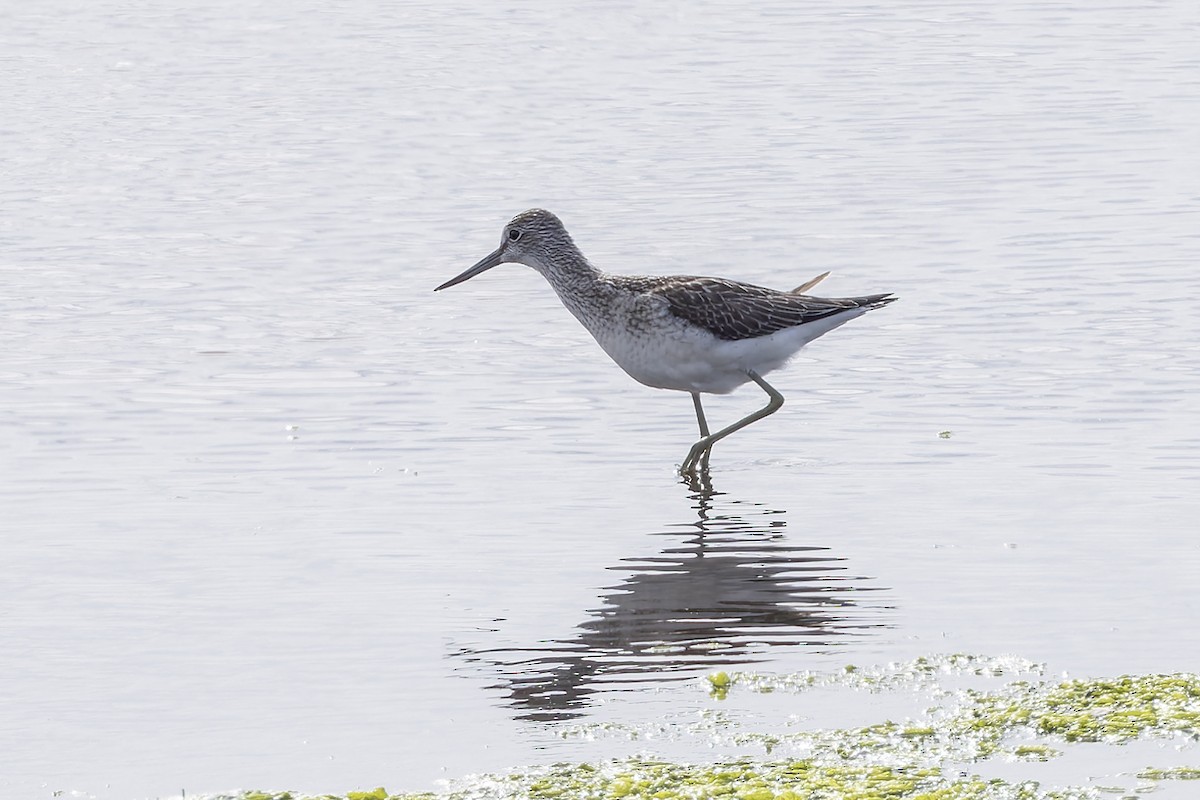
[
  {"x": 1114, "y": 710},
  {"x": 750, "y": 780},
  {"x": 918, "y": 730},
  {"x": 1024, "y": 720},
  {"x": 733, "y": 780},
  {"x": 1035, "y": 752},
  {"x": 924, "y": 672},
  {"x": 1176, "y": 774},
  {"x": 374, "y": 794},
  {"x": 719, "y": 684}
]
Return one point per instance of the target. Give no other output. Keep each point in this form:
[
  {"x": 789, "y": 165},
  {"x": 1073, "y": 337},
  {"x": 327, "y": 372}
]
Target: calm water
[{"x": 275, "y": 515}]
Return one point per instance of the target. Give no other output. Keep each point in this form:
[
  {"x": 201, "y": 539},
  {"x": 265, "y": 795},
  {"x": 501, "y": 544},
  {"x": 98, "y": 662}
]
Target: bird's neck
[
  {"x": 568, "y": 272},
  {"x": 580, "y": 286}
]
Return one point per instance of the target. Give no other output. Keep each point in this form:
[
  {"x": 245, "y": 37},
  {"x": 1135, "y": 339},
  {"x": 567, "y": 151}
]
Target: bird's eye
[{"x": 514, "y": 234}]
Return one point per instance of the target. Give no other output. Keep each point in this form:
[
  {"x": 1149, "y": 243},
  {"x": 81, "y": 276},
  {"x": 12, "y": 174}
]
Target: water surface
[{"x": 275, "y": 515}]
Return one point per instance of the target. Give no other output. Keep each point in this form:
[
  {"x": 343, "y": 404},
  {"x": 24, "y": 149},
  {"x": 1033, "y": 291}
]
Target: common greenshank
[{"x": 691, "y": 334}]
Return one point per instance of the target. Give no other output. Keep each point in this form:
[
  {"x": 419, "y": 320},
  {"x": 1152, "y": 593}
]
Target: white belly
[{"x": 690, "y": 359}]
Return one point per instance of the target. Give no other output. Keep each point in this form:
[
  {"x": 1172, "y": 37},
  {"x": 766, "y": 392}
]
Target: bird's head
[{"x": 535, "y": 238}]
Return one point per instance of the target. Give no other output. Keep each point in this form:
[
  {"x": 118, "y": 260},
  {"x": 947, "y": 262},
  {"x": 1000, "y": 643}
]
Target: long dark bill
[{"x": 493, "y": 260}]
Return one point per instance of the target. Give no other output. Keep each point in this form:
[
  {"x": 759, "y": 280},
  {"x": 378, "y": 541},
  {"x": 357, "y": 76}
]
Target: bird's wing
[{"x": 732, "y": 310}]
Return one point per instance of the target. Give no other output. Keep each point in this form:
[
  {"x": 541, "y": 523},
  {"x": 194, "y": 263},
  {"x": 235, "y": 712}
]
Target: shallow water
[{"x": 276, "y": 515}]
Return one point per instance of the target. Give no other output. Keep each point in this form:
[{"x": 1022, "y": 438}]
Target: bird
[{"x": 682, "y": 332}]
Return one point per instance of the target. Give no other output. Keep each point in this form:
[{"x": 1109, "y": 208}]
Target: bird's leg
[
  {"x": 700, "y": 414},
  {"x": 703, "y": 427},
  {"x": 701, "y": 449}
]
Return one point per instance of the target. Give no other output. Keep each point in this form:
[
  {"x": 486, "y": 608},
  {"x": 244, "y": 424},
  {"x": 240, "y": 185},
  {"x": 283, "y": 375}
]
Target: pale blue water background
[{"x": 275, "y": 515}]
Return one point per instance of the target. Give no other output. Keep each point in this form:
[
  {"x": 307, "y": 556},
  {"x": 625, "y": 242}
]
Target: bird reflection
[{"x": 726, "y": 589}]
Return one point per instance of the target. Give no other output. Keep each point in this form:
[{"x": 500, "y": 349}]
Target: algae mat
[{"x": 983, "y": 726}]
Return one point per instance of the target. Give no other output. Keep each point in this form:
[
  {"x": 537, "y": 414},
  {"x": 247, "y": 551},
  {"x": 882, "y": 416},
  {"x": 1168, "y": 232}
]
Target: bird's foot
[{"x": 697, "y": 457}]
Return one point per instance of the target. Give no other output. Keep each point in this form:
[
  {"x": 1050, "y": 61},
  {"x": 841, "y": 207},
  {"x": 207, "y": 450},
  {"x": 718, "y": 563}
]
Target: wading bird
[{"x": 691, "y": 334}]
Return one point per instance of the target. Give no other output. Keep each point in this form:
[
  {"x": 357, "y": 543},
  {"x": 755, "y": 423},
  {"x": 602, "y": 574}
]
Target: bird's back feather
[{"x": 732, "y": 310}]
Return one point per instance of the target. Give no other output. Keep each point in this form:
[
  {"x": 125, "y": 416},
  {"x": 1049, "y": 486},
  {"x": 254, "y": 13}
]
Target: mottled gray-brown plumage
[{"x": 733, "y": 310}]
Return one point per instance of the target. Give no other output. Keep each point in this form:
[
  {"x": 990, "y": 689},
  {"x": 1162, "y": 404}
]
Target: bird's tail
[
  {"x": 869, "y": 301},
  {"x": 874, "y": 300}
]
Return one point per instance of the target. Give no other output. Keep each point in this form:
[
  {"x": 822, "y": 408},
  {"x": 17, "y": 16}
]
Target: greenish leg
[
  {"x": 703, "y": 427},
  {"x": 700, "y": 414},
  {"x": 701, "y": 449}
]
